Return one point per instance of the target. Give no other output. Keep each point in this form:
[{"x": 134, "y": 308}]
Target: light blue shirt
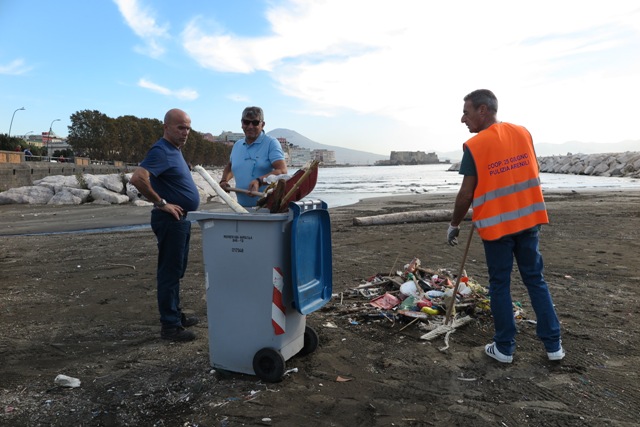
[{"x": 249, "y": 161}]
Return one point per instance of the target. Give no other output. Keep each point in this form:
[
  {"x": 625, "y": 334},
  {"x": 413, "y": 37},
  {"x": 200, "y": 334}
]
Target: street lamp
[
  {"x": 49, "y": 138},
  {"x": 14, "y": 113},
  {"x": 27, "y": 134}
]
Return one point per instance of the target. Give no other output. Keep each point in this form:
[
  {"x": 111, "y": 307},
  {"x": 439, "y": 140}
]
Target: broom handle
[
  {"x": 250, "y": 193},
  {"x": 447, "y": 319}
]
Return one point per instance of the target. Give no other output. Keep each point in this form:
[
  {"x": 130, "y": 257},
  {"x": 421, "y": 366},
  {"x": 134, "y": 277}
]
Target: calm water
[{"x": 345, "y": 186}]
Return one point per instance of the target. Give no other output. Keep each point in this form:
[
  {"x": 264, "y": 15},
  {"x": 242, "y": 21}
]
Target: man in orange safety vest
[{"x": 502, "y": 184}]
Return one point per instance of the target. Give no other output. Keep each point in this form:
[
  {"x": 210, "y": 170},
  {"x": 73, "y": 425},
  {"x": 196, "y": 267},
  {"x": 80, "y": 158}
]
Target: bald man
[{"x": 164, "y": 178}]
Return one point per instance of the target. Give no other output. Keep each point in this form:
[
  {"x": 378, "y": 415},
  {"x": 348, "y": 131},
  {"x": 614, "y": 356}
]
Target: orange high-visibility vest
[{"x": 508, "y": 197}]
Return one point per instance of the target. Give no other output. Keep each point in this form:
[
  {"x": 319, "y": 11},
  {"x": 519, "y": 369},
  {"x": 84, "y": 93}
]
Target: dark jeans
[
  {"x": 173, "y": 253},
  {"x": 499, "y": 254}
]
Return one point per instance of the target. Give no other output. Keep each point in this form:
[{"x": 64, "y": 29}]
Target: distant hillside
[
  {"x": 574, "y": 147},
  {"x": 343, "y": 155},
  {"x": 355, "y": 157}
]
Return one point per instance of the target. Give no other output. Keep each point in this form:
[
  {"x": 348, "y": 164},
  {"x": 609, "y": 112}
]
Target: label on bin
[
  {"x": 278, "y": 316},
  {"x": 237, "y": 238}
]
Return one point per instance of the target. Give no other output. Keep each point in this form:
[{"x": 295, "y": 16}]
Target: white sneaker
[
  {"x": 556, "y": 355},
  {"x": 492, "y": 351}
]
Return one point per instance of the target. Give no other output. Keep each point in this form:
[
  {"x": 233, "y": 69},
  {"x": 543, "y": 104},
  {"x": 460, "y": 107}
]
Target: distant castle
[{"x": 409, "y": 158}]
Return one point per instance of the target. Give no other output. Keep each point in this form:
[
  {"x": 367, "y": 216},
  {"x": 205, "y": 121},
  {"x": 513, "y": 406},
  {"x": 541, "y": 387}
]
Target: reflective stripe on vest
[
  {"x": 505, "y": 191},
  {"x": 509, "y": 216}
]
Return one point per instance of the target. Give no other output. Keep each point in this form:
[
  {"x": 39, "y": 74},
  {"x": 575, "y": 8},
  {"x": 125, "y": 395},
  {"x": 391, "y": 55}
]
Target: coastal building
[
  {"x": 299, "y": 156},
  {"x": 228, "y": 136},
  {"x": 410, "y": 158},
  {"x": 325, "y": 157}
]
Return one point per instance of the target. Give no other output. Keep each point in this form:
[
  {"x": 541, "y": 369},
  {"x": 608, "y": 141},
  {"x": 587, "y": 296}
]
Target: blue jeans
[
  {"x": 499, "y": 254},
  {"x": 173, "y": 253}
]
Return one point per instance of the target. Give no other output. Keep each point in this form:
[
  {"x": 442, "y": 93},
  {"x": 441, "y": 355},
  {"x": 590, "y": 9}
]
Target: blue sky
[{"x": 369, "y": 75}]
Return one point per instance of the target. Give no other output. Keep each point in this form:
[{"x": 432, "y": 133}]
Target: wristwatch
[{"x": 161, "y": 203}]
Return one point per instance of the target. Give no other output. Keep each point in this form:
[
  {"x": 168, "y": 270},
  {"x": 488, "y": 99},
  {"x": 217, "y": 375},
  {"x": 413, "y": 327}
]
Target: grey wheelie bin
[{"x": 264, "y": 273}]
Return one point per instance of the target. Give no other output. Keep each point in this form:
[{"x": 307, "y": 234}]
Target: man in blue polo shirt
[
  {"x": 253, "y": 158},
  {"x": 164, "y": 178}
]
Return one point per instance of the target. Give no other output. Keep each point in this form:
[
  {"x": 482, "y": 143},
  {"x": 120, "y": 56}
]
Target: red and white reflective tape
[{"x": 277, "y": 306}]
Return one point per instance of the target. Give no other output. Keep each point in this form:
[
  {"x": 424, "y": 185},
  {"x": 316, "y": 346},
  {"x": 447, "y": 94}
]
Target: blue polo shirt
[
  {"x": 249, "y": 161},
  {"x": 170, "y": 175}
]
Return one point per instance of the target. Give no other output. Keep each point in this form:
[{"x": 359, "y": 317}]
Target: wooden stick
[
  {"x": 394, "y": 265},
  {"x": 303, "y": 178},
  {"x": 455, "y": 289},
  {"x": 409, "y": 324},
  {"x": 219, "y": 191},
  {"x": 250, "y": 193}
]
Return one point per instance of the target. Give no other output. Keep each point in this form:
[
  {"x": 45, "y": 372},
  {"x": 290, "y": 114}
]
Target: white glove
[{"x": 452, "y": 235}]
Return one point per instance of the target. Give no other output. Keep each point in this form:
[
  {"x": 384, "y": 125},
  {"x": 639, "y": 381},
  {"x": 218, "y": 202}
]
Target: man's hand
[
  {"x": 224, "y": 184},
  {"x": 452, "y": 235}
]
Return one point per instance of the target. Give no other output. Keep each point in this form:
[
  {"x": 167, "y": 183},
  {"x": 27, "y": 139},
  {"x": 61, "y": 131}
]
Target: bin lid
[
  {"x": 234, "y": 216},
  {"x": 311, "y": 258}
]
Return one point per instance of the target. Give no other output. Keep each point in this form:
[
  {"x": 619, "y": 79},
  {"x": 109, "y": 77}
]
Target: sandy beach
[{"x": 83, "y": 305}]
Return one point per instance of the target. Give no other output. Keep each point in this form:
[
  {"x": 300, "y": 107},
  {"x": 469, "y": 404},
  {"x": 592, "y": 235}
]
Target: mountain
[
  {"x": 575, "y": 147},
  {"x": 546, "y": 149},
  {"x": 343, "y": 155}
]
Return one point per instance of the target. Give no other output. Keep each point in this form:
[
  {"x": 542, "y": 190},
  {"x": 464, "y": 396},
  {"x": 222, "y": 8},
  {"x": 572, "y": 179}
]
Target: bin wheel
[
  {"x": 268, "y": 364},
  {"x": 311, "y": 341}
]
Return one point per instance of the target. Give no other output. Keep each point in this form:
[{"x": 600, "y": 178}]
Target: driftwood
[{"x": 436, "y": 215}]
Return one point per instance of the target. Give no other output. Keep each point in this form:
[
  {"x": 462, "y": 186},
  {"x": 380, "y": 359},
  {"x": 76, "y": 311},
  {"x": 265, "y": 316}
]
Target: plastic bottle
[{"x": 275, "y": 178}]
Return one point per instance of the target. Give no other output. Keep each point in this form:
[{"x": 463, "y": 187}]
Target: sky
[{"x": 368, "y": 75}]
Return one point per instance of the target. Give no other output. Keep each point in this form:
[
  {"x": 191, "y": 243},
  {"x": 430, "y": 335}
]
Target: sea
[{"x": 342, "y": 186}]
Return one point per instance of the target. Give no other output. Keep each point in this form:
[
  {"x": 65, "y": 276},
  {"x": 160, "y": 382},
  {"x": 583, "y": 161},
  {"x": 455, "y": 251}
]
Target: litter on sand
[{"x": 420, "y": 297}]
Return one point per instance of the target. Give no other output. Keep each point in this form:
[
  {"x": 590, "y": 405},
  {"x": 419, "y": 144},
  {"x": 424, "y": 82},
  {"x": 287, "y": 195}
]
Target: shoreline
[{"x": 26, "y": 219}]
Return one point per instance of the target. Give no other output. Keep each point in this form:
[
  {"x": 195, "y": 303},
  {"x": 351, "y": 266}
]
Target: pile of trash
[
  {"x": 422, "y": 296},
  {"x": 423, "y": 293},
  {"x": 416, "y": 295}
]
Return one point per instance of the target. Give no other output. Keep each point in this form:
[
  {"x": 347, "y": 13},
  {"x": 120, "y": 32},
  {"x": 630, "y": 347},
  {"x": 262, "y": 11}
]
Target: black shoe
[
  {"x": 177, "y": 334},
  {"x": 189, "y": 321}
]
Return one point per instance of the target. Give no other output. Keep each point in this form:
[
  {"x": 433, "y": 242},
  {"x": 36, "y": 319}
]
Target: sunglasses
[{"x": 253, "y": 122}]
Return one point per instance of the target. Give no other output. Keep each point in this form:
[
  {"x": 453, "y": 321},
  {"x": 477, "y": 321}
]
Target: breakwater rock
[
  {"x": 625, "y": 164},
  {"x": 607, "y": 164},
  {"x": 87, "y": 188}
]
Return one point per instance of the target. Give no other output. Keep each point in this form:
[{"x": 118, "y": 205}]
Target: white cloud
[
  {"x": 224, "y": 52},
  {"x": 15, "y": 67},
  {"x": 413, "y": 61},
  {"x": 182, "y": 94},
  {"x": 144, "y": 25}
]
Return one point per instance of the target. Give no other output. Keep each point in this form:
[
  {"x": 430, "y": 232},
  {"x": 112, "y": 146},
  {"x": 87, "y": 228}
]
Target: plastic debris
[
  {"x": 418, "y": 297},
  {"x": 385, "y": 302},
  {"x": 291, "y": 371},
  {"x": 65, "y": 381}
]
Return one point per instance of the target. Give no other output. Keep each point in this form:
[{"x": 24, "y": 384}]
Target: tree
[
  {"x": 128, "y": 138},
  {"x": 92, "y": 134},
  {"x": 8, "y": 143}
]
